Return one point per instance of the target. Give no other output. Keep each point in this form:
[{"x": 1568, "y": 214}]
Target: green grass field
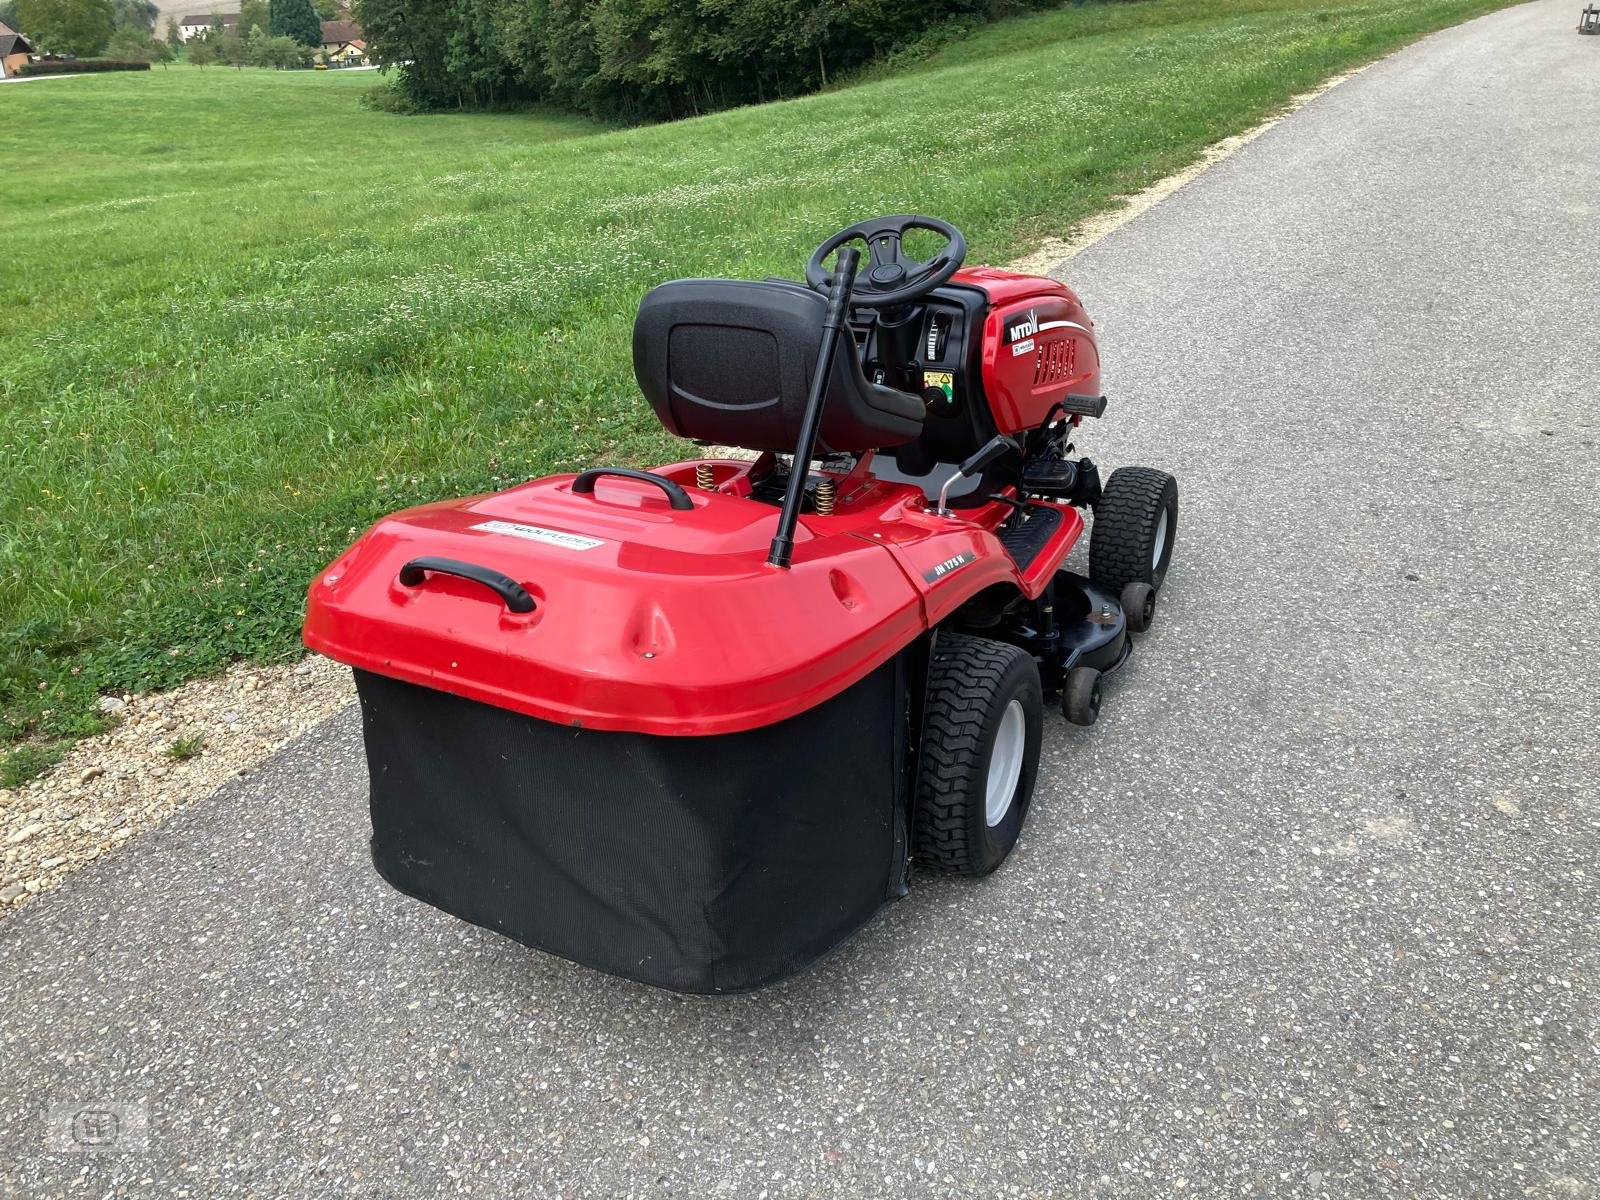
[{"x": 243, "y": 316}]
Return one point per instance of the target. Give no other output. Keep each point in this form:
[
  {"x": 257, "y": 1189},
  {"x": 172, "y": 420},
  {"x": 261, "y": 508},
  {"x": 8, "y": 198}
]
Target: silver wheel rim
[
  {"x": 1005, "y": 764},
  {"x": 1161, "y": 542}
]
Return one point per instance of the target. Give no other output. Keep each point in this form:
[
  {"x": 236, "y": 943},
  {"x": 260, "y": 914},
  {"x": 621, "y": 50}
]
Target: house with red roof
[
  {"x": 343, "y": 43},
  {"x": 14, "y": 51}
]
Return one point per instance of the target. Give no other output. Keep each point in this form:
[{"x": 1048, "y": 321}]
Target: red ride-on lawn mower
[{"x": 690, "y": 725}]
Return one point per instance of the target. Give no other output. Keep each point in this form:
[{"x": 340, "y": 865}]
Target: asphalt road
[{"x": 1314, "y": 910}]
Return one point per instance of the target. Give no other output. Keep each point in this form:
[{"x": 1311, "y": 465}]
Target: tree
[
  {"x": 202, "y": 52},
  {"x": 328, "y": 10},
  {"x": 133, "y": 45},
  {"x": 283, "y": 53},
  {"x": 174, "y": 34},
  {"x": 77, "y": 27},
  {"x": 251, "y": 14},
  {"x": 232, "y": 50},
  {"x": 643, "y": 59},
  {"x": 134, "y": 14},
  {"x": 296, "y": 19}
]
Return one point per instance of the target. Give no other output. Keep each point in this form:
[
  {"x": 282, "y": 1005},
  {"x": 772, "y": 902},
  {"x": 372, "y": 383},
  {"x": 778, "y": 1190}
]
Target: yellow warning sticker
[{"x": 945, "y": 381}]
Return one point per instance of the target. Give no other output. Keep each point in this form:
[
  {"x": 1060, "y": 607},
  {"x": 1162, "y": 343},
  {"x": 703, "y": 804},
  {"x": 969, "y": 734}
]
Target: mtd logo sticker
[
  {"x": 1020, "y": 334},
  {"x": 1025, "y": 328},
  {"x": 939, "y": 571}
]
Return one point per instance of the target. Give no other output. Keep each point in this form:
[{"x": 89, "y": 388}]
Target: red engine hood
[{"x": 645, "y": 619}]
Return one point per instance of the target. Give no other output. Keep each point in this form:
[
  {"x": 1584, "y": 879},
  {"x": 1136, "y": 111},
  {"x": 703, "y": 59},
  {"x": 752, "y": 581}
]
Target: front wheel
[
  {"x": 1135, "y": 529},
  {"x": 979, "y": 755}
]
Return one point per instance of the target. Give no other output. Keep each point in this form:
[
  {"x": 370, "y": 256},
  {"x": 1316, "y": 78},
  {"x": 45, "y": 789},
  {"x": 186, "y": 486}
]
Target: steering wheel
[{"x": 890, "y": 278}]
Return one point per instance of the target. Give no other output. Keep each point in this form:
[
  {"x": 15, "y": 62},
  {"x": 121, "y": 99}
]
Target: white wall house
[{"x": 197, "y": 23}]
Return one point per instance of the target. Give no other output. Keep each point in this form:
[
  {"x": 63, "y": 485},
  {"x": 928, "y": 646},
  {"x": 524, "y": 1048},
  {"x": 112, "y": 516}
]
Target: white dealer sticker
[
  {"x": 1022, "y": 347},
  {"x": 533, "y": 533}
]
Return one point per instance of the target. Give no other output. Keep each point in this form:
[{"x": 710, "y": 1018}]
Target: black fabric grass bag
[{"x": 700, "y": 864}]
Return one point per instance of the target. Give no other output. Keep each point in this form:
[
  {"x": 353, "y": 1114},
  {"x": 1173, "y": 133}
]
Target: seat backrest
[{"x": 731, "y": 360}]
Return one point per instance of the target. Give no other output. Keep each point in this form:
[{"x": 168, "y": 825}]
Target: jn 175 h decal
[{"x": 940, "y": 570}]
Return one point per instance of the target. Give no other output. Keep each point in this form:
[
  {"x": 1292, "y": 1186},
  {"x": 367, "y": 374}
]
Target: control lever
[
  {"x": 835, "y": 328},
  {"x": 987, "y": 455}
]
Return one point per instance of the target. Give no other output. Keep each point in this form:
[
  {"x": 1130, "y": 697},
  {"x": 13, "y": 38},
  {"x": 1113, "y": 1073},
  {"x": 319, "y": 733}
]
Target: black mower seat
[{"x": 729, "y": 361}]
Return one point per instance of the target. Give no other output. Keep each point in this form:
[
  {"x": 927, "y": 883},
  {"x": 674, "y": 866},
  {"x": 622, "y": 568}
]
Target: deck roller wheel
[
  {"x": 1138, "y": 601},
  {"x": 1135, "y": 527},
  {"x": 979, "y": 754},
  {"x": 1080, "y": 698}
]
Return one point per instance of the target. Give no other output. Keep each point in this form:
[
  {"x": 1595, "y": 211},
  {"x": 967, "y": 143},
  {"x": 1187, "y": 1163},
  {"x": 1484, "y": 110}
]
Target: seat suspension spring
[
  {"x": 827, "y": 490},
  {"x": 703, "y": 477}
]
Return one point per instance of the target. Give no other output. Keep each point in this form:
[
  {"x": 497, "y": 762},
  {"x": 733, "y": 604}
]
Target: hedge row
[
  {"x": 80, "y": 66},
  {"x": 644, "y": 60}
]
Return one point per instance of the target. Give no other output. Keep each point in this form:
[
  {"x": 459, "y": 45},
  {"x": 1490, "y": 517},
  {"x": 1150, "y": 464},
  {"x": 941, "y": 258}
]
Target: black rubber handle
[
  {"x": 991, "y": 451},
  {"x": 676, "y": 496},
  {"x": 508, "y": 589}
]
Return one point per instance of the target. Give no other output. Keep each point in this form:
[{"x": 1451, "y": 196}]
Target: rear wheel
[
  {"x": 979, "y": 755},
  {"x": 1135, "y": 527}
]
